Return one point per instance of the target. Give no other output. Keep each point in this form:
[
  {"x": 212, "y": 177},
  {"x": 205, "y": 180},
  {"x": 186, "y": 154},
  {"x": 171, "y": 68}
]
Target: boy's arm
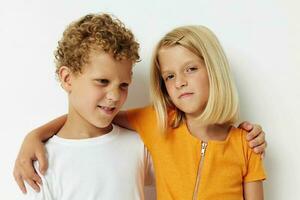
[
  {"x": 33, "y": 149},
  {"x": 253, "y": 190},
  {"x": 255, "y": 137}
]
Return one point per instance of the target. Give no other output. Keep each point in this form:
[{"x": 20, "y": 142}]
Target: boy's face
[{"x": 98, "y": 93}]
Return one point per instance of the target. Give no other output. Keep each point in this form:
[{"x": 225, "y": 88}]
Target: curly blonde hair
[{"x": 95, "y": 32}]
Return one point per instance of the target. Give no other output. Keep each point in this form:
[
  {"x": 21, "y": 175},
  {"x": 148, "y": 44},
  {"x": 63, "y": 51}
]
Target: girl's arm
[
  {"x": 253, "y": 190},
  {"x": 33, "y": 149},
  {"x": 255, "y": 134},
  {"x": 122, "y": 120}
]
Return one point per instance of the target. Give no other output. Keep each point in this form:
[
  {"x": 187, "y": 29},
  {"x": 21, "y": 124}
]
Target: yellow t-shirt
[{"x": 176, "y": 155}]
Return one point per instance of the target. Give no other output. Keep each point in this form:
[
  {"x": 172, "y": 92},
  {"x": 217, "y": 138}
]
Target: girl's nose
[{"x": 180, "y": 82}]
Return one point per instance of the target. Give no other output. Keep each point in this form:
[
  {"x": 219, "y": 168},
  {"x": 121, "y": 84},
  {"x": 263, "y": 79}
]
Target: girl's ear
[{"x": 65, "y": 77}]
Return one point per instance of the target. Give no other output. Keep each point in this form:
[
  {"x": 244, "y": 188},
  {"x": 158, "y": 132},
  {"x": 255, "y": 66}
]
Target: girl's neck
[{"x": 207, "y": 132}]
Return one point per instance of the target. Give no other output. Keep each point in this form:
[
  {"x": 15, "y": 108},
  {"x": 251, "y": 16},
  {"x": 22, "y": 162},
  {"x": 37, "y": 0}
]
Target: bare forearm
[
  {"x": 253, "y": 190},
  {"x": 121, "y": 120},
  {"x": 49, "y": 129}
]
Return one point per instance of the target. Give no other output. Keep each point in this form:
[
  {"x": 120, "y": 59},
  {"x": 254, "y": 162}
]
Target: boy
[{"x": 90, "y": 158}]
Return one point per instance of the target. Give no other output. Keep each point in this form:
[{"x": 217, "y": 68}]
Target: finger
[
  {"x": 247, "y": 126},
  {"x": 33, "y": 184},
  {"x": 258, "y": 141},
  {"x": 257, "y": 130},
  {"x": 43, "y": 162},
  {"x": 37, "y": 179},
  {"x": 260, "y": 149},
  {"x": 20, "y": 182},
  {"x": 28, "y": 171}
]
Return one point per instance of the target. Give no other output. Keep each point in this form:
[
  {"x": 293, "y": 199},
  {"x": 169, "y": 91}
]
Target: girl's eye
[
  {"x": 170, "y": 76},
  {"x": 191, "y": 69},
  {"x": 124, "y": 86},
  {"x": 103, "y": 81}
]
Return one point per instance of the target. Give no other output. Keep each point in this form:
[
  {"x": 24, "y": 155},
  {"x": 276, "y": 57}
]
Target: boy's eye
[
  {"x": 170, "y": 76},
  {"x": 103, "y": 81},
  {"x": 124, "y": 86}
]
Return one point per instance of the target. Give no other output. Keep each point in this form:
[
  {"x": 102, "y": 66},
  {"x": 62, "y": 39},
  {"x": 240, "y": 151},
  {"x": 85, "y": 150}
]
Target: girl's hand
[
  {"x": 255, "y": 137},
  {"x": 31, "y": 150}
]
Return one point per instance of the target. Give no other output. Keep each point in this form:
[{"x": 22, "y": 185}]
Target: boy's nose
[{"x": 113, "y": 95}]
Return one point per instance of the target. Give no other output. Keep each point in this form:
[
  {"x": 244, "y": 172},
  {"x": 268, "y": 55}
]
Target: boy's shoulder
[
  {"x": 118, "y": 133},
  {"x": 126, "y": 133},
  {"x": 124, "y": 130}
]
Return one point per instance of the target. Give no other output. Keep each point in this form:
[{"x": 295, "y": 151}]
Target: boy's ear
[{"x": 65, "y": 77}]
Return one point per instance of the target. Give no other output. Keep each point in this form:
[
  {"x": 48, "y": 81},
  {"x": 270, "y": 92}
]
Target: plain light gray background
[{"x": 261, "y": 39}]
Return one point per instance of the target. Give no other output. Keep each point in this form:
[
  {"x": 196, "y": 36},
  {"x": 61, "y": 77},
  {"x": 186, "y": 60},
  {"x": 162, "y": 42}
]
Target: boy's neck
[
  {"x": 77, "y": 127},
  {"x": 218, "y": 132}
]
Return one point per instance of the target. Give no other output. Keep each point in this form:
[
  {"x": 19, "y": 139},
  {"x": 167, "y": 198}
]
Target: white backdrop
[{"x": 261, "y": 39}]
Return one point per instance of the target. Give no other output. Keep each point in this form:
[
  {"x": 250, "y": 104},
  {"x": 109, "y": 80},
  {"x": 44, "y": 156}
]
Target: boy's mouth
[{"x": 107, "y": 109}]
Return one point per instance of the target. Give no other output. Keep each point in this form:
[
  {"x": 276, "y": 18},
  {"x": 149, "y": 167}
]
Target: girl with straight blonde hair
[
  {"x": 193, "y": 92},
  {"x": 222, "y": 106},
  {"x": 189, "y": 130}
]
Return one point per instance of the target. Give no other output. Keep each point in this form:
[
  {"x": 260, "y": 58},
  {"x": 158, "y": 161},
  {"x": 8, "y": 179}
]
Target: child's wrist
[{"x": 34, "y": 135}]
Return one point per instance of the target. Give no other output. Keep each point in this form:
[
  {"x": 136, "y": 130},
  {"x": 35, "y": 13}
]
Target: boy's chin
[{"x": 103, "y": 125}]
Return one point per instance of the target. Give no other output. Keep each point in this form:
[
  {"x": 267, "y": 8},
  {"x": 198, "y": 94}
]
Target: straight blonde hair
[{"x": 223, "y": 105}]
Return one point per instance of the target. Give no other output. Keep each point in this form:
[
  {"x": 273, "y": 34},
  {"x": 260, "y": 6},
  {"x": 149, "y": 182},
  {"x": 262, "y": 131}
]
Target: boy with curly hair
[{"x": 89, "y": 157}]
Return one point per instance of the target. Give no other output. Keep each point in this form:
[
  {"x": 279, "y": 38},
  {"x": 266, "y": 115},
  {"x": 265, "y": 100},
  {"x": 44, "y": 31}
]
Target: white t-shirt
[{"x": 110, "y": 167}]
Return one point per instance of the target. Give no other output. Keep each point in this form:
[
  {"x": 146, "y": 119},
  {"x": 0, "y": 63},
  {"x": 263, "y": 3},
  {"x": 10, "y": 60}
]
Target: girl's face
[{"x": 186, "y": 79}]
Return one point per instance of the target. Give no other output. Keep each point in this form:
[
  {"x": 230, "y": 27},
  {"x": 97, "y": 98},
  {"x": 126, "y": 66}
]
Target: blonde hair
[
  {"x": 222, "y": 106},
  {"x": 95, "y": 32}
]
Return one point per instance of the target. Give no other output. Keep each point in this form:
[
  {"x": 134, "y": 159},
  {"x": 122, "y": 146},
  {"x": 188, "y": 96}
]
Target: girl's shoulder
[
  {"x": 237, "y": 135},
  {"x": 239, "y": 140}
]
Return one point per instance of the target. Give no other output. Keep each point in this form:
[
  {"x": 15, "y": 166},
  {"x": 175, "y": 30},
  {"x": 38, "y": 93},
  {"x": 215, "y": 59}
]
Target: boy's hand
[
  {"x": 255, "y": 137},
  {"x": 31, "y": 150}
]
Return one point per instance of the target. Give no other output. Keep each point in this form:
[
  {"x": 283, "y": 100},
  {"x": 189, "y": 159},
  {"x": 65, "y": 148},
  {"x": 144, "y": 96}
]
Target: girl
[{"x": 196, "y": 151}]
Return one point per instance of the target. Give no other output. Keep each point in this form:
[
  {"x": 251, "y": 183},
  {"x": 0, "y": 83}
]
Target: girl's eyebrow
[
  {"x": 165, "y": 72},
  {"x": 182, "y": 65}
]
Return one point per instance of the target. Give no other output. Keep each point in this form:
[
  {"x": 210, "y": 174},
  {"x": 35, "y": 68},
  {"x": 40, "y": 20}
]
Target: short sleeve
[
  {"x": 255, "y": 167},
  {"x": 140, "y": 116},
  {"x": 143, "y": 120}
]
